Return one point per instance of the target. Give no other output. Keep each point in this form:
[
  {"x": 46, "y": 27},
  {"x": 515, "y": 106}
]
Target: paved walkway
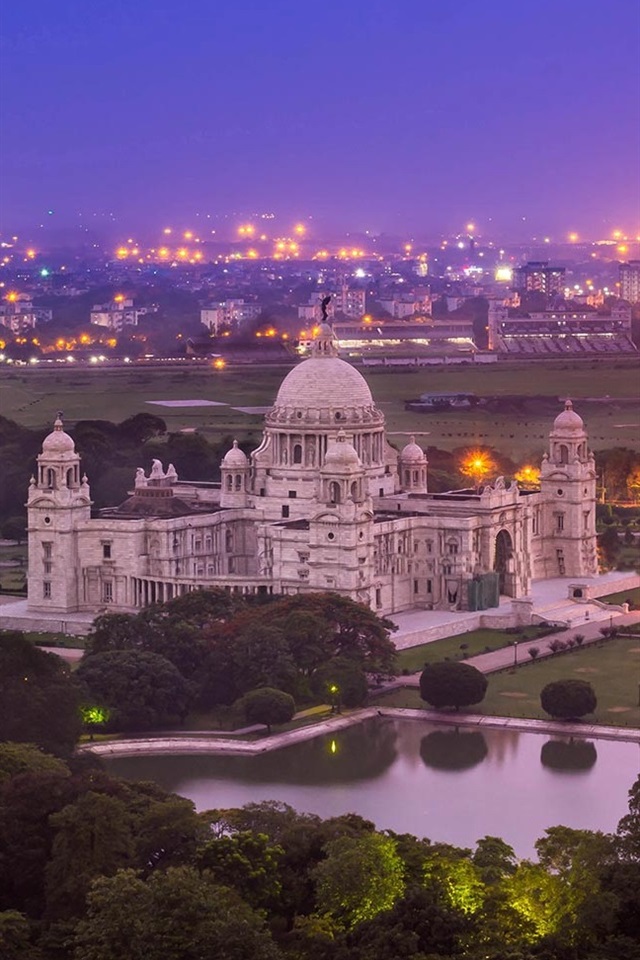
[{"x": 510, "y": 656}]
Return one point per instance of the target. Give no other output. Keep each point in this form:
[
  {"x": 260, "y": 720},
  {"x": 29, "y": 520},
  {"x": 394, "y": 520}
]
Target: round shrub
[
  {"x": 568, "y": 699},
  {"x": 452, "y": 684}
]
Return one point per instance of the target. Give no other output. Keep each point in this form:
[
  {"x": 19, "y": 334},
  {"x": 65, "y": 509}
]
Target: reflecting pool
[{"x": 448, "y": 784}]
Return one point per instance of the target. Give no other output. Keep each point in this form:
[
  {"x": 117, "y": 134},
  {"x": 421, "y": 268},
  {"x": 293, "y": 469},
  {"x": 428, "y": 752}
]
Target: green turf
[
  {"x": 623, "y": 596},
  {"x": 32, "y": 396},
  {"x": 613, "y": 668},
  {"x": 454, "y": 648}
]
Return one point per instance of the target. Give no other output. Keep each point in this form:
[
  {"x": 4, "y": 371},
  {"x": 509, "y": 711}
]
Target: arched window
[
  {"x": 238, "y": 481},
  {"x": 70, "y": 477},
  {"x": 228, "y": 541},
  {"x": 51, "y": 478},
  {"x": 564, "y": 453},
  {"x": 334, "y": 492},
  {"x": 354, "y": 490},
  {"x": 297, "y": 453},
  {"x": 229, "y": 482}
]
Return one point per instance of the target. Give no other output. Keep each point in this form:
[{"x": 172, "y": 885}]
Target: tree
[
  {"x": 451, "y": 684},
  {"x": 267, "y": 705},
  {"x": 495, "y": 859},
  {"x": 14, "y": 528},
  {"x": 177, "y": 914},
  {"x": 142, "y": 690},
  {"x": 628, "y": 832},
  {"x": 26, "y": 757},
  {"x": 341, "y": 681},
  {"x": 568, "y": 699},
  {"x": 360, "y": 877},
  {"x": 93, "y": 837},
  {"x": 39, "y": 698},
  {"x": 141, "y": 427},
  {"x": 246, "y": 861}
]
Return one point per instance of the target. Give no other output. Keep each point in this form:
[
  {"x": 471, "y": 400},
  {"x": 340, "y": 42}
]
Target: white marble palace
[{"x": 324, "y": 503}]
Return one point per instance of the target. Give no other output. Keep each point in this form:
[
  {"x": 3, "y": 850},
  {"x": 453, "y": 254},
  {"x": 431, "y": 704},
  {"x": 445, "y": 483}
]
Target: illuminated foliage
[
  {"x": 360, "y": 877},
  {"x": 479, "y": 465},
  {"x": 457, "y": 877},
  {"x": 528, "y": 476},
  {"x": 93, "y": 715}
]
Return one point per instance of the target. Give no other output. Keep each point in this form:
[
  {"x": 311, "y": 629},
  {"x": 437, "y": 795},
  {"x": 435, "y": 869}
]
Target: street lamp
[
  {"x": 515, "y": 653},
  {"x": 334, "y": 690}
]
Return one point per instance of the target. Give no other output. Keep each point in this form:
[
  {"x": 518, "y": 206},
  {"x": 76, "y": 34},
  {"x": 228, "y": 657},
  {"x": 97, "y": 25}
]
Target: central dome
[{"x": 323, "y": 382}]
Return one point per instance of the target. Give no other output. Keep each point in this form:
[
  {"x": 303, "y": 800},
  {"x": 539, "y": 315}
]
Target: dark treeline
[
  {"x": 96, "y": 868},
  {"x": 111, "y": 452}
]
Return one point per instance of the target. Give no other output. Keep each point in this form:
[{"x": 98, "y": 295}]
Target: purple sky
[{"x": 403, "y": 115}]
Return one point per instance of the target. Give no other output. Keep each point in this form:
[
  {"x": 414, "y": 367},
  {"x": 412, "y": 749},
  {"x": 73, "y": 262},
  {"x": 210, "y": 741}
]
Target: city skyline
[{"x": 364, "y": 118}]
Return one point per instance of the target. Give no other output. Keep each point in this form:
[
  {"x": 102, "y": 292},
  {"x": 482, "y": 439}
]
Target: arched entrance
[{"x": 503, "y": 563}]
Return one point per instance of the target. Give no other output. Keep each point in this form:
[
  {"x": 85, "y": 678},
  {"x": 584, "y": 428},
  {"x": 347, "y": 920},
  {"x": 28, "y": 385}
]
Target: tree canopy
[{"x": 568, "y": 699}]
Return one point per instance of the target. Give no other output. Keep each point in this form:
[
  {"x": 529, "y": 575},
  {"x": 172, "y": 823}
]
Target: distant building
[
  {"x": 409, "y": 305},
  {"x": 538, "y": 276},
  {"x": 345, "y": 301},
  {"x": 229, "y": 313},
  {"x": 555, "y": 332},
  {"x": 118, "y": 314},
  {"x": 630, "y": 281},
  {"x": 18, "y": 314}
]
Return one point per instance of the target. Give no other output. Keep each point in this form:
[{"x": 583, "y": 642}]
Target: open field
[
  {"x": 33, "y": 396},
  {"x": 612, "y": 668},
  {"x": 631, "y": 596},
  {"x": 13, "y": 570}
]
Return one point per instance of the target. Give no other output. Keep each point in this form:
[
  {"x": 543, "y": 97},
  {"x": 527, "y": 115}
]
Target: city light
[
  {"x": 573, "y": 237},
  {"x": 300, "y": 229},
  {"x": 219, "y": 363}
]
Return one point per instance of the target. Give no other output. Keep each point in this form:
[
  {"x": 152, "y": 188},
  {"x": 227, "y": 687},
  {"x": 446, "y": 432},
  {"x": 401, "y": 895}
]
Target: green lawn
[
  {"x": 32, "y": 397},
  {"x": 13, "y": 579},
  {"x": 613, "y": 668},
  {"x": 624, "y": 596},
  {"x": 454, "y": 648}
]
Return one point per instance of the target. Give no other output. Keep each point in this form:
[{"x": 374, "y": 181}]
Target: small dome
[
  {"x": 235, "y": 457},
  {"x": 341, "y": 454},
  {"x": 58, "y": 441},
  {"x": 412, "y": 451},
  {"x": 568, "y": 421}
]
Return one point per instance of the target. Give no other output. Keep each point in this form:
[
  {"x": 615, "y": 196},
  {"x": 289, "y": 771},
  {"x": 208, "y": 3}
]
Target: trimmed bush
[
  {"x": 452, "y": 684},
  {"x": 568, "y": 699},
  {"x": 267, "y": 705}
]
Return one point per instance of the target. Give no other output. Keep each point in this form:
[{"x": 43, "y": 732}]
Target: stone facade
[{"x": 324, "y": 503}]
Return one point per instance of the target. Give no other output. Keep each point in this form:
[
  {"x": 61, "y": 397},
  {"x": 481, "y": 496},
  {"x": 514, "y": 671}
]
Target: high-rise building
[
  {"x": 537, "y": 275},
  {"x": 630, "y": 281}
]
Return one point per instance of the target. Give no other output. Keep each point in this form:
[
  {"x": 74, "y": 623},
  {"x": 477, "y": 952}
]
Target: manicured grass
[
  {"x": 454, "y": 648},
  {"x": 625, "y": 595},
  {"x": 13, "y": 579},
  {"x": 613, "y": 668},
  {"x": 32, "y": 397}
]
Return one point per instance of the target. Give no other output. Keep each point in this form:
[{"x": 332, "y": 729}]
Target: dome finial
[{"x": 568, "y": 405}]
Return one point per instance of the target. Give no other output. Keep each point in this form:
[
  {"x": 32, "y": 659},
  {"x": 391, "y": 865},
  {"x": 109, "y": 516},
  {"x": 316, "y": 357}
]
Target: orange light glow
[
  {"x": 300, "y": 229},
  {"x": 528, "y": 476},
  {"x": 478, "y": 465},
  {"x": 31, "y": 254},
  {"x": 219, "y": 363},
  {"x": 119, "y": 298},
  {"x": 122, "y": 252},
  {"x": 12, "y": 297}
]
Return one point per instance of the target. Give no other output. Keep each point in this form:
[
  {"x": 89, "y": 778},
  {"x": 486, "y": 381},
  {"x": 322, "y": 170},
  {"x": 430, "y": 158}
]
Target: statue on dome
[
  {"x": 141, "y": 480},
  {"x": 157, "y": 473},
  {"x": 325, "y": 303}
]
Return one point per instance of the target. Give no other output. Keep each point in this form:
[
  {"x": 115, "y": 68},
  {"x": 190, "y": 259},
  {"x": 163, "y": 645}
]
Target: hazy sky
[{"x": 399, "y": 115}]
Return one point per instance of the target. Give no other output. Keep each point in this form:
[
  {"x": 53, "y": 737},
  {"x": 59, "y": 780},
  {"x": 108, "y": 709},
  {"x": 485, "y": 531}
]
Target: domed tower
[
  {"x": 567, "y": 519},
  {"x": 234, "y": 471},
  {"x": 58, "y": 504},
  {"x": 342, "y": 473},
  {"x": 319, "y": 397},
  {"x": 341, "y": 531},
  {"x": 413, "y": 468}
]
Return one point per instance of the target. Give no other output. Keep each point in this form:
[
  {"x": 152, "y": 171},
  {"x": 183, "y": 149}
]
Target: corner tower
[
  {"x": 58, "y": 504},
  {"x": 567, "y": 515}
]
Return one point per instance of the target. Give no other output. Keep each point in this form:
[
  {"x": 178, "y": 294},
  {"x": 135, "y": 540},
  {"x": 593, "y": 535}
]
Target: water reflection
[
  {"x": 453, "y": 749},
  {"x": 568, "y": 756}
]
